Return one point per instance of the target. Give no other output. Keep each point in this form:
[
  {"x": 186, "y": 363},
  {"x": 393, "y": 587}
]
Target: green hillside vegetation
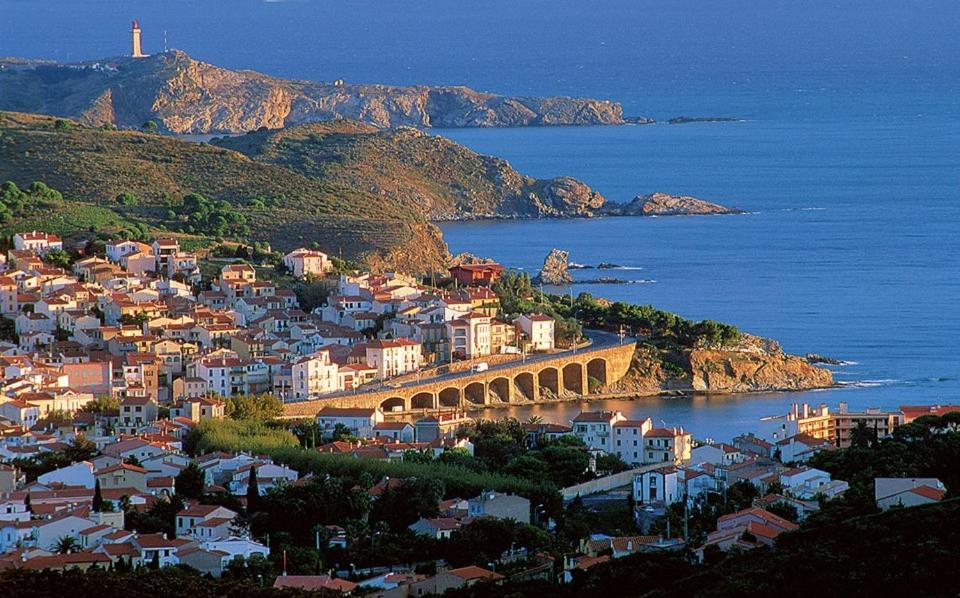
[
  {"x": 422, "y": 173},
  {"x": 115, "y": 178}
]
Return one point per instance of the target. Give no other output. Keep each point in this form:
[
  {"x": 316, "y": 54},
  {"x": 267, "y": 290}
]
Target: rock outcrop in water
[
  {"x": 756, "y": 365},
  {"x": 187, "y": 96},
  {"x": 554, "y": 271},
  {"x": 664, "y": 204}
]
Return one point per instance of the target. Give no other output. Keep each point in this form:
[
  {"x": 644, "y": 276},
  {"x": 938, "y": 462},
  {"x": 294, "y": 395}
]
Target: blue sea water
[{"x": 848, "y": 160}]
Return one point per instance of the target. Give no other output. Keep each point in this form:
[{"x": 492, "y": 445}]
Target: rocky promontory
[
  {"x": 664, "y": 204},
  {"x": 187, "y": 96},
  {"x": 754, "y": 365}
]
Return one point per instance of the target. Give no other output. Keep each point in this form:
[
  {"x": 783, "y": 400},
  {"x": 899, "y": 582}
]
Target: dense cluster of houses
[{"x": 131, "y": 325}]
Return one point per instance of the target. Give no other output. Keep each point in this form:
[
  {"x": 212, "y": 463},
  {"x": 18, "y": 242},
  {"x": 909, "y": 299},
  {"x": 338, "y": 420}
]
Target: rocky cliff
[
  {"x": 430, "y": 175},
  {"x": 187, "y": 96},
  {"x": 664, "y": 204},
  {"x": 756, "y": 365},
  {"x": 554, "y": 271}
]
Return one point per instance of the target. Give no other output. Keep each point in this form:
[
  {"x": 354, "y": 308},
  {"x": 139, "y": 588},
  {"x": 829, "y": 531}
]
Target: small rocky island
[
  {"x": 664, "y": 204},
  {"x": 554, "y": 271}
]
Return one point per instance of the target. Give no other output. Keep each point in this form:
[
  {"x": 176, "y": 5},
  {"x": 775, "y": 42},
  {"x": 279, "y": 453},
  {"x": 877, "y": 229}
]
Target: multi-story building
[
  {"x": 37, "y": 242},
  {"x": 538, "y": 330},
  {"x": 595, "y": 428},
  {"x": 393, "y": 357},
  {"x": 671, "y": 445},
  {"x": 838, "y": 426},
  {"x": 305, "y": 262},
  {"x": 314, "y": 375},
  {"x": 627, "y": 439}
]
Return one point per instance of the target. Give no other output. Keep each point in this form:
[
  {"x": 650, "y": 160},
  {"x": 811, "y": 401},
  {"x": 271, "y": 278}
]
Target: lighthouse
[{"x": 135, "y": 33}]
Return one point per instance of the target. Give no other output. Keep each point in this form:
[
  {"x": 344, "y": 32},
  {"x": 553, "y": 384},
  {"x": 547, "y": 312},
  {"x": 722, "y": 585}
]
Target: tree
[
  {"x": 67, "y": 544},
  {"x": 255, "y": 407},
  {"x": 58, "y": 258},
  {"x": 253, "y": 491},
  {"x": 150, "y": 126},
  {"x": 80, "y": 449},
  {"x": 97, "y": 498},
  {"x": 189, "y": 482},
  {"x": 127, "y": 199}
]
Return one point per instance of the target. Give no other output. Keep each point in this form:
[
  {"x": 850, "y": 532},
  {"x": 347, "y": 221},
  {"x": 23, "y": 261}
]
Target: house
[
  {"x": 37, "y": 242},
  {"x": 719, "y": 454},
  {"x": 305, "y": 262},
  {"x": 749, "y": 443},
  {"x": 204, "y": 522},
  {"x": 800, "y": 447},
  {"x": 438, "y": 528},
  {"x": 838, "y": 426},
  {"x": 314, "y": 583},
  {"x": 907, "y": 492},
  {"x": 538, "y": 329},
  {"x": 746, "y": 530},
  {"x": 595, "y": 428},
  {"x": 469, "y": 335},
  {"x": 485, "y": 274},
  {"x": 137, "y": 412},
  {"x": 76, "y": 474},
  {"x": 539, "y": 432},
  {"x": 627, "y": 439},
  {"x": 393, "y": 357},
  {"x": 396, "y": 431},
  {"x": 122, "y": 475},
  {"x": 499, "y": 506},
  {"x": 359, "y": 421},
  {"x": 441, "y": 425},
  {"x": 198, "y": 408},
  {"x": 315, "y": 375},
  {"x": 671, "y": 445},
  {"x": 658, "y": 486},
  {"x": 445, "y": 581}
]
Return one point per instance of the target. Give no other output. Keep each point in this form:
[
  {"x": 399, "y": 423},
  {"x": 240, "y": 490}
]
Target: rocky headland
[
  {"x": 187, "y": 96},
  {"x": 664, "y": 204},
  {"x": 755, "y": 365}
]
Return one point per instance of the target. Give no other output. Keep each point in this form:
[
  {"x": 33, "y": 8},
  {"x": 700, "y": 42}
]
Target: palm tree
[
  {"x": 534, "y": 419},
  {"x": 67, "y": 544}
]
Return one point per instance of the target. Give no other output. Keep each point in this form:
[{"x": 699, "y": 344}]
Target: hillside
[
  {"x": 433, "y": 176},
  {"x": 257, "y": 200},
  {"x": 187, "y": 96}
]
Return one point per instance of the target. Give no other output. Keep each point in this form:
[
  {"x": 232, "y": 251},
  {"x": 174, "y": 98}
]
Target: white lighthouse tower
[{"x": 135, "y": 33}]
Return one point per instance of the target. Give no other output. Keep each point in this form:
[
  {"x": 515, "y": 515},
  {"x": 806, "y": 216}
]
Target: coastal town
[{"x": 168, "y": 408}]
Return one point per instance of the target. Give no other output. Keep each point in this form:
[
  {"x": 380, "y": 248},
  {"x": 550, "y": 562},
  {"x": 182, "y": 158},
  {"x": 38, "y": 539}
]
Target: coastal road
[{"x": 598, "y": 340}]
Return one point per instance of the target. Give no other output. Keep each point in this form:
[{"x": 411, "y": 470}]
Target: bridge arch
[
  {"x": 388, "y": 405},
  {"x": 526, "y": 386},
  {"x": 449, "y": 397},
  {"x": 422, "y": 400},
  {"x": 475, "y": 393},
  {"x": 573, "y": 378},
  {"x": 549, "y": 379},
  {"x": 501, "y": 389},
  {"x": 596, "y": 373}
]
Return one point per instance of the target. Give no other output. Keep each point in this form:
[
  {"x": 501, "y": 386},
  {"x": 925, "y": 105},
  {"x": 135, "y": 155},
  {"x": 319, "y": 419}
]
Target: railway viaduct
[{"x": 539, "y": 376}]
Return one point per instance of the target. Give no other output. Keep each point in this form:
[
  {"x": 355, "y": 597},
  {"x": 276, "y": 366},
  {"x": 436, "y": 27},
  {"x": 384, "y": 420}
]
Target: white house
[
  {"x": 77, "y": 474},
  {"x": 305, "y": 262},
  {"x": 314, "y": 375},
  {"x": 658, "y": 486},
  {"x": 907, "y": 492},
  {"x": 539, "y": 329},
  {"x": 37, "y": 242},
  {"x": 595, "y": 428},
  {"x": 360, "y": 421}
]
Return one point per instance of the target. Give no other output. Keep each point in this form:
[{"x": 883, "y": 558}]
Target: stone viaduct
[{"x": 540, "y": 376}]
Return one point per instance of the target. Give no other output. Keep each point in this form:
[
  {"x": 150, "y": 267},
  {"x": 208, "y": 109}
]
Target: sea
[{"x": 845, "y": 155}]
